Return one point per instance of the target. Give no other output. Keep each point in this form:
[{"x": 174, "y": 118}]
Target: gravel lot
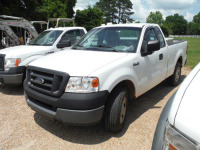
[{"x": 22, "y": 128}]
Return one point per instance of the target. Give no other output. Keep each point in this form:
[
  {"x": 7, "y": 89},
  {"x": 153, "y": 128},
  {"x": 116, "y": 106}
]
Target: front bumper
[
  {"x": 70, "y": 108},
  {"x": 11, "y": 79},
  {"x": 13, "y": 76}
]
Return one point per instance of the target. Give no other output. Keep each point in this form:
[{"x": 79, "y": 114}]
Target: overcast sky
[{"x": 142, "y": 8}]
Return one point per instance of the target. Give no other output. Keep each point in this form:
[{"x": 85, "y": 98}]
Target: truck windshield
[
  {"x": 46, "y": 38},
  {"x": 116, "y": 39}
]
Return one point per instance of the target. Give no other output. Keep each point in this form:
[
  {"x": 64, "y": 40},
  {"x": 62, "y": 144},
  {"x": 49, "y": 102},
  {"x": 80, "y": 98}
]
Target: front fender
[{"x": 110, "y": 80}]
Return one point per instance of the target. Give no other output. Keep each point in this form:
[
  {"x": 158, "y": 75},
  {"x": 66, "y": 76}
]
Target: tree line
[
  {"x": 104, "y": 11},
  {"x": 175, "y": 24}
]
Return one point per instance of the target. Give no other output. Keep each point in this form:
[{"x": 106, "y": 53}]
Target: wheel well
[
  {"x": 180, "y": 60},
  {"x": 129, "y": 86}
]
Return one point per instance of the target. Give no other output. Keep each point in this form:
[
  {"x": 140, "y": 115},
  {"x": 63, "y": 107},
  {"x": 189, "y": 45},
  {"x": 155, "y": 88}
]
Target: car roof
[
  {"x": 65, "y": 28},
  {"x": 137, "y": 25}
]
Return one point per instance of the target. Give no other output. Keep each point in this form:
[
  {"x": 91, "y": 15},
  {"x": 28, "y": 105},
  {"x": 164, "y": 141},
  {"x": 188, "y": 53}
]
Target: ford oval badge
[{"x": 39, "y": 80}]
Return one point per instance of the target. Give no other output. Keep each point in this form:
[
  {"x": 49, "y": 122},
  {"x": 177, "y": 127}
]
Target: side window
[
  {"x": 149, "y": 36},
  {"x": 77, "y": 32},
  {"x": 160, "y": 36},
  {"x": 69, "y": 36},
  {"x": 82, "y": 32}
]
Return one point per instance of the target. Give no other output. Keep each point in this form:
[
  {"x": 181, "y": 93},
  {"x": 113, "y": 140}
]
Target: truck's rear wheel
[
  {"x": 116, "y": 110},
  {"x": 175, "y": 78}
]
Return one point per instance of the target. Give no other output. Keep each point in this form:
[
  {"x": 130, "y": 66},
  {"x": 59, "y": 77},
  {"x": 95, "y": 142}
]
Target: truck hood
[
  {"x": 184, "y": 112},
  {"x": 77, "y": 62},
  {"x": 187, "y": 118},
  {"x": 19, "y": 51}
]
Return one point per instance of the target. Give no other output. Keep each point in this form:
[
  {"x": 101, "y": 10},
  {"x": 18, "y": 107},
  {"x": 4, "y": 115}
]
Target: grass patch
[{"x": 193, "y": 53}]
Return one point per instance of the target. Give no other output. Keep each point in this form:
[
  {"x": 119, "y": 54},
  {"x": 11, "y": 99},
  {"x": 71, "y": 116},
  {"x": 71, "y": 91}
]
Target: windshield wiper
[{"x": 113, "y": 49}]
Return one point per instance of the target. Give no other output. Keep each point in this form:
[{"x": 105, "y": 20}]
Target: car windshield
[
  {"x": 116, "y": 39},
  {"x": 46, "y": 38}
]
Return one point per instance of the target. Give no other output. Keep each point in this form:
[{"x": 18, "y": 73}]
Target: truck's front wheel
[
  {"x": 116, "y": 110},
  {"x": 175, "y": 78}
]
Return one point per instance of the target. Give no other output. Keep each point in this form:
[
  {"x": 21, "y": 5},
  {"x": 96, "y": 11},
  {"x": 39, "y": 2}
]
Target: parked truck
[
  {"x": 14, "y": 60},
  {"x": 98, "y": 76}
]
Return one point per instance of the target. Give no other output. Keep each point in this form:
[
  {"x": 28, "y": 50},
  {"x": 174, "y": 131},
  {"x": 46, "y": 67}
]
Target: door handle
[
  {"x": 160, "y": 56},
  {"x": 135, "y": 64},
  {"x": 49, "y": 52}
]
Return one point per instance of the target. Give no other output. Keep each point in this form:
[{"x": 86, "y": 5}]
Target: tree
[
  {"x": 69, "y": 8},
  {"x": 116, "y": 11},
  {"x": 54, "y": 9},
  {"x": 177, "y": 24},
  {"x": 12, "y": 8},
  {"x": 124, "y": 10},
  {"x": 155, "y": 18},
  {"x": 109, "y": 9},
  {"x": 196, "y": 18},
  {"x": 38, "y": 9},
  {"x": 193, "y": 28},
  {"x": 89, "y": 18}
]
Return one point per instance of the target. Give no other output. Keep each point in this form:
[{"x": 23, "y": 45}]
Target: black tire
[
  {"x": 175, "y": 78},
  {"x": 116, "y": 110}
]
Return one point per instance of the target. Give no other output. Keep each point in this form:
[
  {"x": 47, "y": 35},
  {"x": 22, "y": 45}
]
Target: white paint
[
  {"x": 184, "y": 114},
  {"x": 112, "y": 67},
  {"x": 28, "y": 53}
]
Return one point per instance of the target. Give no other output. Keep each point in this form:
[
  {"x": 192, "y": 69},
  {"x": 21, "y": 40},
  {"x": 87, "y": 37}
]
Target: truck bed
[{"x": 171, "y": 41}]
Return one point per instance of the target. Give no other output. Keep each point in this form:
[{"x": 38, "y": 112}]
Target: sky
[{"x": 142, "y": 8}]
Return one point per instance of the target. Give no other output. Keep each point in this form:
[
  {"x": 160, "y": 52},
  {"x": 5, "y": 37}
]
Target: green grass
[{"x": 193, "y": 53}]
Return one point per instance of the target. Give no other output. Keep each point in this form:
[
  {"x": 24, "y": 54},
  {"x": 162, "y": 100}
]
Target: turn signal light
[
  {"x": 17, "y": 62},
  {"x": 172, "y": 147},
  {"x": 95, "y": 83}
]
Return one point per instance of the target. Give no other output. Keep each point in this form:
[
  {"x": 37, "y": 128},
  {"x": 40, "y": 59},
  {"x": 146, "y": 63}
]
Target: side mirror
[
  {"x": 64, "y": 43},
  {"x": 153, "y": 46}
]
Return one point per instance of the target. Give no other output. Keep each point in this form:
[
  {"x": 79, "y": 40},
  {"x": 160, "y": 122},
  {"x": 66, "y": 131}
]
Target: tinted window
[
  {"x": 149, "y": 36},
  {"x": 160, "y": 36},
  {"x": 72, "y": 36},
  {"x": 82, "y": 32}
]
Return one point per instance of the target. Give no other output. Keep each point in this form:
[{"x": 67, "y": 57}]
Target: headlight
[
  {"x": 11, "y": 62},
  {"x": 82, "y": 85},
  {"x": 175, "y": 141}
]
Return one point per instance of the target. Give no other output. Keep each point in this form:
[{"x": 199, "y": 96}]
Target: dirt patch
[{"x": 22, "y": 128}]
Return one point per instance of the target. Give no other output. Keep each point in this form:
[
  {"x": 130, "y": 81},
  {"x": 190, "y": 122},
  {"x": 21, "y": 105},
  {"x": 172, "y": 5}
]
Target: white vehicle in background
[
  {"x": 178, "y": 126},
  {"x": 13, "y": 60},
  {"x": 105, "y": 69}
]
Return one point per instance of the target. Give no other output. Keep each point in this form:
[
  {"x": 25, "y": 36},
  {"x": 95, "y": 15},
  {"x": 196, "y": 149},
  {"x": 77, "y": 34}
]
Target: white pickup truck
[
  {"x": 97, "y": 77},
  {"x": 13, "y": 60}
]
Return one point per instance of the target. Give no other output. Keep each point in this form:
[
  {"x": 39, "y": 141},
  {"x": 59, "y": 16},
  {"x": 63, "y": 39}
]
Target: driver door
[{"x": 149, "y": 72}]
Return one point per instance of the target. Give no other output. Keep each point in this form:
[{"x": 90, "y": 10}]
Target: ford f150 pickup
[
  {"x": 13, "y": 60},
  {"x": 97, "y": 77}
]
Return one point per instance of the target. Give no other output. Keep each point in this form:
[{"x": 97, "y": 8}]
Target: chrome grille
[{"x": 47, "y": 81}]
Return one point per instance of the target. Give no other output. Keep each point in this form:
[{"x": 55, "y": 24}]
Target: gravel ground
[{"x": 22, "y": 128}]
